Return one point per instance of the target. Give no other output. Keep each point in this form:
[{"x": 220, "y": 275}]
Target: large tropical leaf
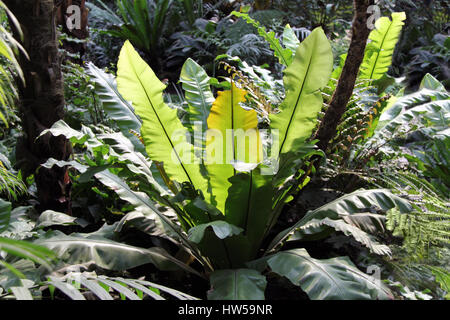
[
  {"x": 139, "y": 200},
  {"x": 249, "y": 206},
  {"x": 162, "y": 131},
  {"x": 303, "y": 80},
  {"x": 378, "y": 54},
  {"x": 238, "y": 284},
  {"x": 228, "y": 117},
  {"x": 353, "y": 203},
  {"x": 221, "y": 229},
  {"x": 226, "y": 145},
  {"x": 330, "y": 279},
  {"x": 315, "y": 227},
  {"x": 198, "y": 94},
  {"x": 116, "y": 107},
  {"x": 429, "y": 107},
  {"x": 106, "y": 253}
]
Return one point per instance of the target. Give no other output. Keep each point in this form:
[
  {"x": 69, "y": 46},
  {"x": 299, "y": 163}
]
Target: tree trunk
[
  {"x": 42, "y": 103},
  {"x": 346, "y": 84}
]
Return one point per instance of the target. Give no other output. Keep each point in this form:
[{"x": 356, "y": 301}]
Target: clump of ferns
[
  {"x": 11, "y": 185},
  {"x": 251, "y": 48},
  {"x": 363, "y": 92},
  {"x": 426, "y": 227},
  {"x": 355, "y": 127}
]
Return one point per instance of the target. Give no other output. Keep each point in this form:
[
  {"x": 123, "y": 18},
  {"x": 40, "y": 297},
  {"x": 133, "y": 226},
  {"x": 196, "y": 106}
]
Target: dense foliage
[{"x": 195, "y": 173}]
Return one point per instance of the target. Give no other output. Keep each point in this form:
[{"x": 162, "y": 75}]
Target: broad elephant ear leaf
[
  {"x": 303, "y": 80},
  {"x": 347, "y": 205},
  {"x": 163, "y": 133},
  {"x": 330, "y": 279},
  {"x": 378, "y": 54},
  {"x": 316, "y": 228},
  {"x": 237, "y": 284},
  {"x": 106, "y": 253}
]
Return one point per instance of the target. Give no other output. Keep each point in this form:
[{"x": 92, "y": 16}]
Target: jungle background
[{"x": 91, "y": 209}]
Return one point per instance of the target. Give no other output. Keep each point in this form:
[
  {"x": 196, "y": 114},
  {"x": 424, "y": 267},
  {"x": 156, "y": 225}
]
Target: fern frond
[
  {"x": 256, "y": 99},
  {"x": 10, "y": 185}
]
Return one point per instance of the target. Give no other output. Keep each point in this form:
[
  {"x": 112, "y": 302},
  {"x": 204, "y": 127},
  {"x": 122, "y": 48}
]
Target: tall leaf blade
[
  {"x": 198, "y": 93},
  {"x": 226, "y": 118},
  {"x": 378, "y": 55},
  {"x": 249, "y": 206},
  {"x": 116, "y": 107},
  {"x": 161, "y": 129},
  {"x": 303, "y": 80}
]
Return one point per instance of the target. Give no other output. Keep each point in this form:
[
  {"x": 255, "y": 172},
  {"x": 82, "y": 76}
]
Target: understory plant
[
  {"x": 391, "y": 138},
  {"x": 216, "y": 182},
  {"x": 9, "y": 66}
]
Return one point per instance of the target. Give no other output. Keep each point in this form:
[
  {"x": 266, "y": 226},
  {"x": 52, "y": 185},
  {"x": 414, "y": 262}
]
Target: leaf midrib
[
  {"x": 161, "y": 124},
  {"x": 297, "y": 103},
  {"x": 381, "y": 48},
  {"x": 310, "y": 260}
]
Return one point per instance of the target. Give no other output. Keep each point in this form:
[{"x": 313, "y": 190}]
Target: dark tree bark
[
  {"x": 346, "y": 84},
  {"x": 42, "y": 103}
]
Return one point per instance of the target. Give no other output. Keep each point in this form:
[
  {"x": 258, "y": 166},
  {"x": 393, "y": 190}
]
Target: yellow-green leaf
[
  {"x": 228, "y": 123},
  {"x": 163, "y": 133},
  {"x": 303, "y": 80},
  {"x": 378, "y": 54}
]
